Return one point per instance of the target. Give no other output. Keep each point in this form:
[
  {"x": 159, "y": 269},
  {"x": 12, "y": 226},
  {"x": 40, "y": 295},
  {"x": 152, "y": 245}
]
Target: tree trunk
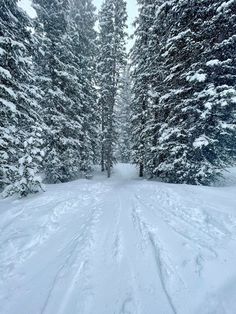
[
  {"x": 103, "y": 145},
  {"x": 102, "y": 161},
  {"x": 109, "y": 171},
  {"x": 141, "y": 170}
]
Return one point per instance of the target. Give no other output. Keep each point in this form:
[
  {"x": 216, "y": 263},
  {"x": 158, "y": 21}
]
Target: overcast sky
[{"x": 132, "y": 9}]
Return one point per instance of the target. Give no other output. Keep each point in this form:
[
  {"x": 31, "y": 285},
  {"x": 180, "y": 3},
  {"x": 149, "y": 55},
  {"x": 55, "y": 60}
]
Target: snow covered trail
[{"x": 120, "y": 246}]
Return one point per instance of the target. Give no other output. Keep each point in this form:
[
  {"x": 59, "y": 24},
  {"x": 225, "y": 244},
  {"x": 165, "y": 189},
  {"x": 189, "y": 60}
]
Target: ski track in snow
[{"x": 119, "y": 246}]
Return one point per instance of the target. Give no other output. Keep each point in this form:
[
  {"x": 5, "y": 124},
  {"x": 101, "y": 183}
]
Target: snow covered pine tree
[
  {"x": 82, "y": 31},
  {"x": 66, "y": 55},
  {"x": 19, "y": 119},
  {"x": 193, "y": 95},
  {"x": 123, "y": 116},
  {"x": 197, "y": 138},
  {"x": 112, "y": 35},
  {"x": 141, "y": 69}
]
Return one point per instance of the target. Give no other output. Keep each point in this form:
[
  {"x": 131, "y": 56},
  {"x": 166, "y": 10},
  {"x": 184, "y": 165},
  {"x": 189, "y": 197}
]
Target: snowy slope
[{"x": 120, "y": 246}]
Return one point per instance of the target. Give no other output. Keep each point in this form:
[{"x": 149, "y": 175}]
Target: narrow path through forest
[{"x": 119, "y": 246}]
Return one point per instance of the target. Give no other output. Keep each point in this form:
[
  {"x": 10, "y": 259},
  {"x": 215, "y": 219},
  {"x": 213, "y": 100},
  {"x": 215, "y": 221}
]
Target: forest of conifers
[{"x": 71, "y": 97}]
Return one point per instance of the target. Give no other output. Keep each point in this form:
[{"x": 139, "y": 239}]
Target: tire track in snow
[
  {"x": 16, "y": 251},
  {"x": 202, "y": 230},
  {"x": 20, "y": 244},
  {"x": 113, "y": 280},
  {"x": 68, "y": 293},
  {"x": 58, "y": 274},
  {"x": 131, "y": 302},
  {"x": 160, "y": 261},
  {"x": 171, "y": 218},
  {"x": 117, "y": 244},
  {"x": 212, "y": 226},
  {"x": 205, "y": 251},
  {"x": 77, "y": 249}
]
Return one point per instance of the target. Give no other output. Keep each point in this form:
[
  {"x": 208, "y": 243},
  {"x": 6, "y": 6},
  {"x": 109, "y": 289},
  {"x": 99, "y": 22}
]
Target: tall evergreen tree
[
  {"x": 141, "y": 76},
  {"x": 66, "y": 66},
  {"x": 112, "y": 23},
  {"x": 190, "y": 122},
  {"x": 19, "y": 110},
  {"x": 56, "y": 82},
  {"x": 82, "y": 32},
  {"x": 123, "y": 113},
  {"x": 196, "y": 137}
]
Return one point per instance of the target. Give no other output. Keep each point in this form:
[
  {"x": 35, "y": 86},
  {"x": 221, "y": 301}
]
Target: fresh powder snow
[{"x": 123, "y": 245}]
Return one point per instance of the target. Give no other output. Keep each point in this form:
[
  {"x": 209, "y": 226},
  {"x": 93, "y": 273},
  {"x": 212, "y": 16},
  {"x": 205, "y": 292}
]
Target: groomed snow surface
[{"x": 120, "y": 246}]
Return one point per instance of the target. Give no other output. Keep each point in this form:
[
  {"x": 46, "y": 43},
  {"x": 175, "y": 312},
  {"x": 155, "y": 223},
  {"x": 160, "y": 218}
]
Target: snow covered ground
[{"x": 120, "y": 246}]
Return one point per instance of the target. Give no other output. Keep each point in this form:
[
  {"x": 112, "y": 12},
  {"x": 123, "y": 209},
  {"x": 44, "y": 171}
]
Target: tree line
[
  {"x": 59, "y": 80},
  {"x": 184, "y": 104},
  {"x": 70, "y": 98}
]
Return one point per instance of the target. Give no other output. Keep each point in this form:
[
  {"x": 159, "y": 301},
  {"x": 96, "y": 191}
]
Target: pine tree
[
  {"x": 65, "y": 75},
  {"x": 112, "y": 23},
  {"x": 184, "y": 86},
  {"x": 141, "y": 77},
  {"x": 198, "y": 124},
  {"x": 27, "y": 179},
  {"x": 18, "y": 106},
  {"x": 123, "y": 113},
  {"x": 84, "y": 37},
  {"x": 54, "y": 80}
]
